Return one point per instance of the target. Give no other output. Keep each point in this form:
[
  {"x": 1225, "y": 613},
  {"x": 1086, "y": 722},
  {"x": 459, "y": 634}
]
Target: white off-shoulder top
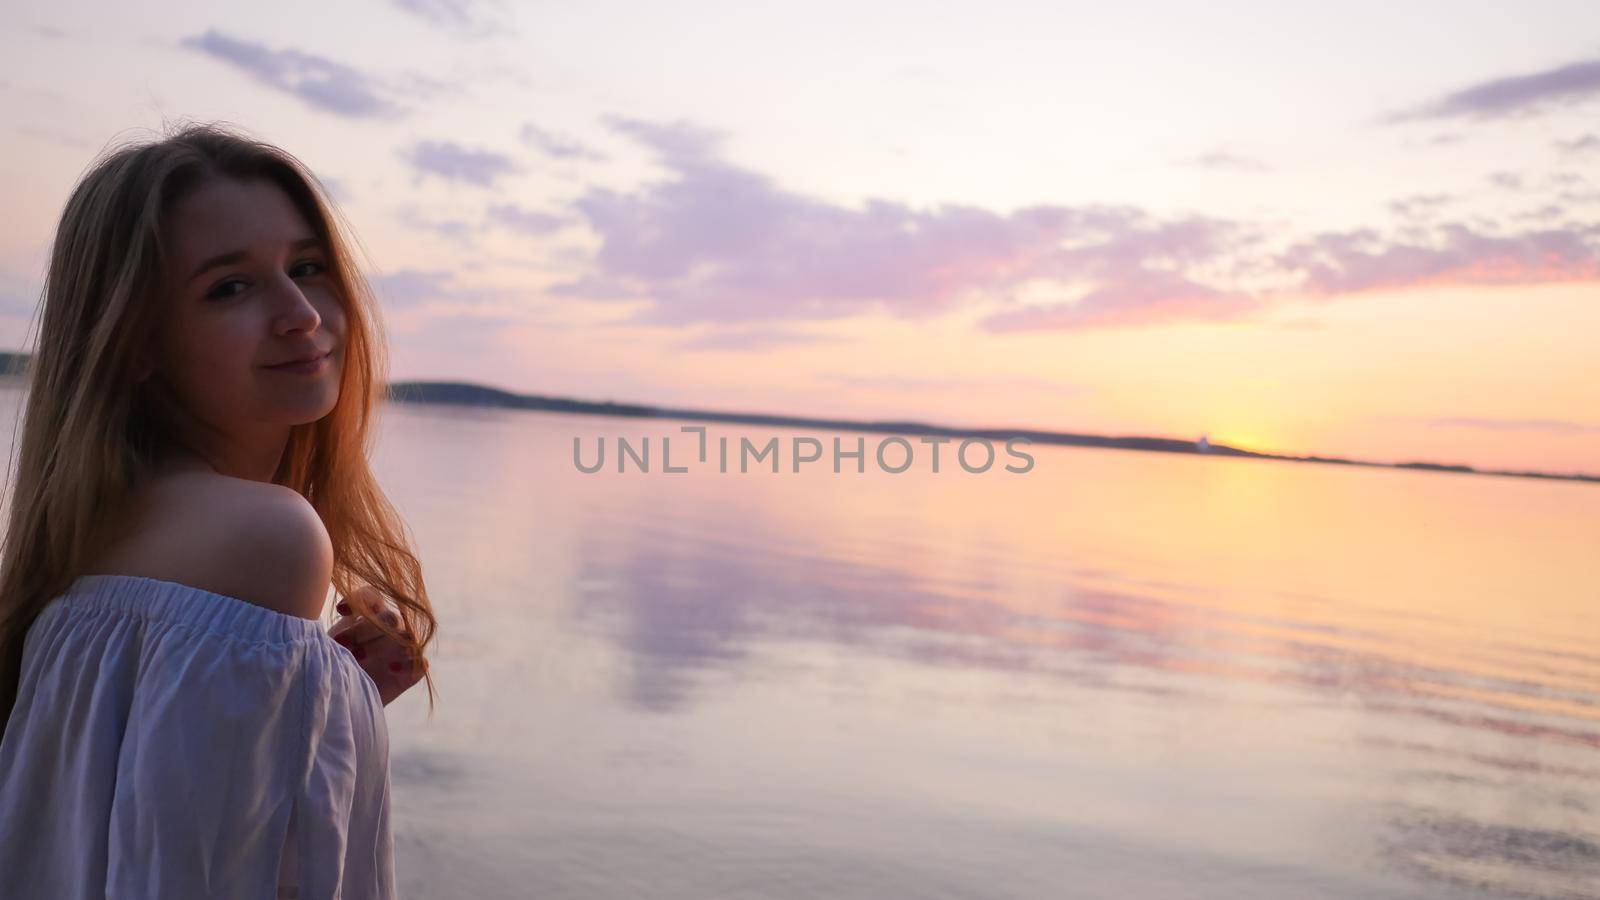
[{"x": 170, "y": 742}]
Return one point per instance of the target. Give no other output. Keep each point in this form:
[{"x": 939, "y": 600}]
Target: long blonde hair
[{"x": 88, "y": 436}]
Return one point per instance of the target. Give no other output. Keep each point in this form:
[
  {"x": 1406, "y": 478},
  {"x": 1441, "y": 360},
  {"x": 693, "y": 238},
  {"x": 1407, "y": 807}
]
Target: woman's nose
[{"x": 297, "y": 312}]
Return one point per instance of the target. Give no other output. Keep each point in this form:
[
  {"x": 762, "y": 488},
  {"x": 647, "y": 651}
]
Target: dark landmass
[{"x": 455, "y": 393}]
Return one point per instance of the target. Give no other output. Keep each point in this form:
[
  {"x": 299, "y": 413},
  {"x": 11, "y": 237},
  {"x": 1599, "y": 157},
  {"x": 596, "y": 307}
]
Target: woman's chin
[{"x": 308, "y": 412}]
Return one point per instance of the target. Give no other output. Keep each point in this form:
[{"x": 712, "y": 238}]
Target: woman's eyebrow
[{"x": 233, "y": 256}]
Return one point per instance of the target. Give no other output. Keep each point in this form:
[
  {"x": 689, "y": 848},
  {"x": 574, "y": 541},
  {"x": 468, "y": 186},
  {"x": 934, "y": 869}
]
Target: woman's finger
[
  {"x": 362, "y": 601},
  {"x": 392, "y": 667},
  {"x": 386, "y": 614},
  {"x": 360, "y": 633},
  {"x": 353, "y": 628},
  {"x": 364, "y": 634},
  {"x": 364, "y": 628},
  {"x": 405, "y": 668}
]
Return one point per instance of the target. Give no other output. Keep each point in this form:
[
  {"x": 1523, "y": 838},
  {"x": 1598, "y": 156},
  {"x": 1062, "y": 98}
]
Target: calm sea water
[{"x": 1117, "y": 675}]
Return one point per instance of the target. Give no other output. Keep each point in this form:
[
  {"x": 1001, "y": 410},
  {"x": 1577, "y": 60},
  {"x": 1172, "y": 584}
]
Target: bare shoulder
[
  {"x": 262, "y": 543},
  {"x": 271, "y": 547}
]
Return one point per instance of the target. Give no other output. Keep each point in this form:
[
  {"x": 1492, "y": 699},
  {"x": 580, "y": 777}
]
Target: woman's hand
[{"x": 387, "y": 661}]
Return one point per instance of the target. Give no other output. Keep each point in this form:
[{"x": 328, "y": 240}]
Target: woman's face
[{"x": 248, "y": 287}]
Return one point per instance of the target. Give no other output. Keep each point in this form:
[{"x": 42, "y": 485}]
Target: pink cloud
[
  {"x": 714, "y": 243},
  {"x": 1152, "y": 299},
  {"x": 1361, "y": 261}
]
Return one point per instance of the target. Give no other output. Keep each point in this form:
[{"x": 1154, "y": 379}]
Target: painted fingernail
[
  {"x": 344, "y": 608},
  {"x": 396, "y": 666}
]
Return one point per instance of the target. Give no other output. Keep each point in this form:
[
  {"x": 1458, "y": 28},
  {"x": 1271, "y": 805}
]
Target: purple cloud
[
  {"x": 556, "y": 146},
  {"x": 454, "y": 229},
  {"x": 452, "y": 13},
  {"x": 1516, "y": 95},
  {"x": 321, "y": 82},
  {"x": 1355, "y": 261},
  {"x": 719, "y": 243},
  {"x": 453, "y": 162},
  {"x": 411, "y": 288},
  {"x": 712, "y": 242},
  {"x": 681, "y": 144},
  {"x": 1511, "y": 181},
  {"x": 1544, "y": 213},
  {"x": 1420, "y": 205},
  {"x": 1583, "y": 143},
  {"x": 465, "y": 18},
  {"x": 526, "y": 221}
]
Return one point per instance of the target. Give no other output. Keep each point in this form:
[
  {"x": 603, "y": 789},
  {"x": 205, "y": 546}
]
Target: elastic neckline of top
[{"x": 185, "y": 604}]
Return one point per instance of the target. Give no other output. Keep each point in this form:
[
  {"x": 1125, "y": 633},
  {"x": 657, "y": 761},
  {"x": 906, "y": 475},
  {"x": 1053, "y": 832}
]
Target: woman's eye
[{"x": 220, "y": 291}]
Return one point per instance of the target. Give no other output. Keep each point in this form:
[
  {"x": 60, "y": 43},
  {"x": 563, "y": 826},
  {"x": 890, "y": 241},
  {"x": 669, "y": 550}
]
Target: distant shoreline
[{"x": 466, "y": 394}]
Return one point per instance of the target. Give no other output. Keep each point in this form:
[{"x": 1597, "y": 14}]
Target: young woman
[{"x": 193, "y": 478}]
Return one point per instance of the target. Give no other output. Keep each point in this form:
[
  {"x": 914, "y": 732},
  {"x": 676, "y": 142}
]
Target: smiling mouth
[{"x": 311, "y": 365}]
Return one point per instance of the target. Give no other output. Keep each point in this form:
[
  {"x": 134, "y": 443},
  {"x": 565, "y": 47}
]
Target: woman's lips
[{"x": 304, "y": 368}]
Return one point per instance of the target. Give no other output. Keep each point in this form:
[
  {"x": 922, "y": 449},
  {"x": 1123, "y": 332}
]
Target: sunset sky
[{"x": 1358, "y": 229}]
